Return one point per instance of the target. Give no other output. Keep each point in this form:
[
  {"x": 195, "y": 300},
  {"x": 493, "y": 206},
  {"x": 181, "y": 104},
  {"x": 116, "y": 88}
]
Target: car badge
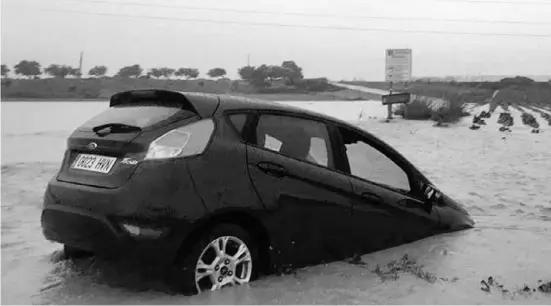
[{"x": 92, "y": 146}]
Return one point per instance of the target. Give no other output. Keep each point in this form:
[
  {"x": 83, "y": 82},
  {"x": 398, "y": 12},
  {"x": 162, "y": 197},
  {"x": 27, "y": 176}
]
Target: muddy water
[{"x": 502, "y": 178}]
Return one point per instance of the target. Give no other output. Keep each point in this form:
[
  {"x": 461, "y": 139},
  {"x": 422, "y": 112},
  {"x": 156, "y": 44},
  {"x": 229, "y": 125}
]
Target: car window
[
  {"x": 141, "y": 116},
  {"x": 302, "y": 139},
  {"x": 369, "y": 163},
  {"x": 238, "y": 121}
]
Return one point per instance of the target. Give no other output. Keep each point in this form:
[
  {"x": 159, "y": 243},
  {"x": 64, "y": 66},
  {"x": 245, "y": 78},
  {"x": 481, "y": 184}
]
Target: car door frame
[
  {"x": 412, "y": 209},
  {"x": 251, "y": 139},
  {"x": 413, "y": 174}
]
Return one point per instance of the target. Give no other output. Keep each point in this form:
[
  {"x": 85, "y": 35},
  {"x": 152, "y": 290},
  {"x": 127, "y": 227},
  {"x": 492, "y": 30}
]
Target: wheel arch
[{"x": 247, "y": 220}]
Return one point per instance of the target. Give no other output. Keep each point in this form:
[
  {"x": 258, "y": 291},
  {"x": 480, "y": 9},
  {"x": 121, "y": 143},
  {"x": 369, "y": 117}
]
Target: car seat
[{"x": 296, "y": 145}]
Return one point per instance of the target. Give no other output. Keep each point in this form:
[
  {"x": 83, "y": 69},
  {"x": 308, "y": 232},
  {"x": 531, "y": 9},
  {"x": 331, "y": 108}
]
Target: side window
[
  {"x": 370, "y": 164},
  {"x": 302, "y": 139},
  {"x": 238, "y": 121}
]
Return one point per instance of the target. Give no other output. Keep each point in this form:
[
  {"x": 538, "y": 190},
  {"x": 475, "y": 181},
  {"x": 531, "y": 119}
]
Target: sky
[{"x": 343, "y": 40}]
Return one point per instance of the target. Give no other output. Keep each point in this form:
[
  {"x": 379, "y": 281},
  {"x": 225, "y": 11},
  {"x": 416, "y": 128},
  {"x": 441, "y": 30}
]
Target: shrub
[
  {"x": 281, "y": 90},
  {"x": 318, "y": 85},
  {"x": 6, "y": 82},
  {"x": 415, "y": 110},
  {"x": 448, "y": 109},
  {"x": 529, "y": 120}
]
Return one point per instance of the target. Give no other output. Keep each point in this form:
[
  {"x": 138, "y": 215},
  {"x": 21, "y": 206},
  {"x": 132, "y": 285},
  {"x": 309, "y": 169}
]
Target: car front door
[
  {"x": 291, "y": 165},
  {"x": 386, "y": 208}
]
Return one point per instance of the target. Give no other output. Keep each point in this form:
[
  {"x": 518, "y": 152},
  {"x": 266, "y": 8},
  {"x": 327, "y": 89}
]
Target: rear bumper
[{"x": 105, "y": 236}]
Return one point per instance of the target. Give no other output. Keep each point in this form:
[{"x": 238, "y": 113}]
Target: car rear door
[
  {"x": 386, "y": 210},
  {"x": 291, "y": 166}
]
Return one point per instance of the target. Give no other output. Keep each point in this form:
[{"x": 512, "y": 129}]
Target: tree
[
  {"x": 98, "y": 71},
  {"x": 59, "y": 71},
  {"x": 275, "y": 72},
  {"x": 29, "y": 69},
  {"x": 216, "y": 72},
  {"x": 246, "y": 73},
  {"x": 260, "y": 76},
  {"x": 161, "y": 72},
  {"x": 130, "y": 71},
  {"x": 167, "y": 72},
  {"x": 5, "y": 70},
  {"x": 292, "y": 72},
  {"x": 189, "y": 73},
  {"x": 75, "y": 72},
  {"x": 155, "y": 72},
  {"x": 192, "y": 73},
  {"x": 180, "y": 72},
  {"x": 52, "y": 70}
]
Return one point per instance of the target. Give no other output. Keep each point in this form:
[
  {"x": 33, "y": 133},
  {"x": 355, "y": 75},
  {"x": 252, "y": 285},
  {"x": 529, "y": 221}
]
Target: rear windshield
[{"x": 141, "y": 116}]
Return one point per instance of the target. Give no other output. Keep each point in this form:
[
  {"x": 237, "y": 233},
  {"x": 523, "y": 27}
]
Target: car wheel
[
  {"x": 70, "y": 252},
  {"x": 225, "y": 256}
]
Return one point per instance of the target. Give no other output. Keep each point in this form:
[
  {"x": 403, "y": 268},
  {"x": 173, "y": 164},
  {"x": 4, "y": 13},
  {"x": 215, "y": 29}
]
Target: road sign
[
  {"x": 398, "y": 65},
  {"x": 396, "y": 98}
]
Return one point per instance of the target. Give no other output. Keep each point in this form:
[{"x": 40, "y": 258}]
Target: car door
[
  {"x": 291, "y": 166},
  {"x": 386, "y": 209}
]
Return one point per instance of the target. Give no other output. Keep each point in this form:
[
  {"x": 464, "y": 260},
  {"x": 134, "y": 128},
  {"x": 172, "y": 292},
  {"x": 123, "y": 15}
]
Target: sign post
[
  {"x": 389, "y": 106},
  {"x": 398, "y": 69}
]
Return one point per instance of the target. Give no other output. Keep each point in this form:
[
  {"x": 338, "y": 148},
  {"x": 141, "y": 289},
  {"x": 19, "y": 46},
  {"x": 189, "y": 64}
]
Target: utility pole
[
  {"x": 80, "y": 65},
  {"x": 248, "y": 60}
]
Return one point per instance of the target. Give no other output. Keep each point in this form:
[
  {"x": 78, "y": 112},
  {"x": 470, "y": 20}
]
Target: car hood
[{"x": 454, "y": 215}]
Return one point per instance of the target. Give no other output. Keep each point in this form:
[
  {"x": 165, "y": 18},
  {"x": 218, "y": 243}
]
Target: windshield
[{"x": 137, "y": 116}]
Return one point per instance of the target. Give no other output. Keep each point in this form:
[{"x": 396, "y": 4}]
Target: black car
[{"x": 219, "y": 189}]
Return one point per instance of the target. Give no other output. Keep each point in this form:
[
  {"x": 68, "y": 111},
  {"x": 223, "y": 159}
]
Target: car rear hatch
[{"x": 106, "y": 150}]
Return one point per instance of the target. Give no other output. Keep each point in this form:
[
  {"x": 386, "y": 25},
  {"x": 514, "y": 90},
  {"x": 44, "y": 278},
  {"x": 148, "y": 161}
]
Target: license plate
[{"x": 96, "y": 163}]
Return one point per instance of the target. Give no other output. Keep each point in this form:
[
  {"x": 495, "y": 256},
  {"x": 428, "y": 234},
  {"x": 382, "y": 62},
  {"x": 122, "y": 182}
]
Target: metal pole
[
  {"x": 389, "y": 106},
  {"x": 248, "y": 60},
  {"x": 80, "y": 65}
]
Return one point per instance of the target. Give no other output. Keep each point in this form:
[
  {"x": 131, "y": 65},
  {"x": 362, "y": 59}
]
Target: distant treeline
[
  {"x": 33, "y": 70},
  {"x": 260, "y": 76},
  {"x": 285, "y": 78}
]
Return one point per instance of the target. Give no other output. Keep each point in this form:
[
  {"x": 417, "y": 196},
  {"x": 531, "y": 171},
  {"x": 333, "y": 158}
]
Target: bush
[
  {"x": 6, "y": 82},
  {"x": 449, "y": 109},
  {"x": 281, "y": 90},
  {"x": 529, "y": 120},
  {"x": 518, "y": 80},
  {"x": 318, "y": 85},
  {"x": 415, "y": 110}
]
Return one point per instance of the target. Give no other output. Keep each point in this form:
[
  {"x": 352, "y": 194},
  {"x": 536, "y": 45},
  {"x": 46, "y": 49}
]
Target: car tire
[
  {"x": 70, "y": 252},
  {"x": 182, "y": 274}
]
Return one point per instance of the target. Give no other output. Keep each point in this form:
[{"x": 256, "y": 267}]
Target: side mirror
[{"x": 431, "y": 195}]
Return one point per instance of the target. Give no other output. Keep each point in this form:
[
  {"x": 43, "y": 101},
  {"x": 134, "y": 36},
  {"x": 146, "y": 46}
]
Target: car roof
[
  {"x": 207, "y": 104},
  {"x": 230, "y": 102}
]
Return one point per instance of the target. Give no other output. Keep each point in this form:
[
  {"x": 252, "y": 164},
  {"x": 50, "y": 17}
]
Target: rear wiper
[{"x": 110, "y": 128}]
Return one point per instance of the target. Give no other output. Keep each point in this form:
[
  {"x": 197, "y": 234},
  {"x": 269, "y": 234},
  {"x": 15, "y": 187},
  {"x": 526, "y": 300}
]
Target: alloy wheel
[{"x": 225, "y": 261}]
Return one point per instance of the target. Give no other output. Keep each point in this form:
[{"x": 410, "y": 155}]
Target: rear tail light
[{"x": 184, "y": 141}]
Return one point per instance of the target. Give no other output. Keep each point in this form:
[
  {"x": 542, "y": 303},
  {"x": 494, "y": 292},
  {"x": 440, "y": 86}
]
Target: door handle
[
  {"x": 372, "y": 197},
  {"x": 412, "y": 204},
  {"x": 272, "y": 169}
]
